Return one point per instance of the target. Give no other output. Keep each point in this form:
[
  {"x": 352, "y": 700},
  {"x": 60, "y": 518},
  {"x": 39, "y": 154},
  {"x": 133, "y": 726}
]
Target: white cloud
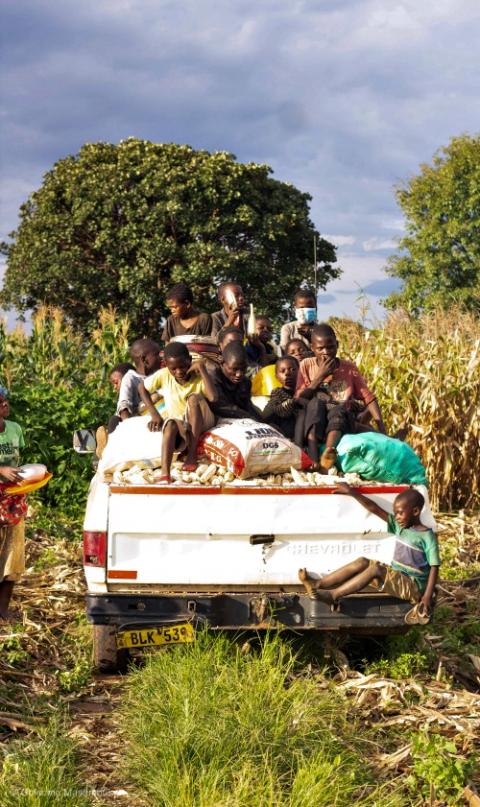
[
  {"x": 392, "y": 224},
  {"x": 340, "y": 240},
  {"x": 374, "y": 244}
]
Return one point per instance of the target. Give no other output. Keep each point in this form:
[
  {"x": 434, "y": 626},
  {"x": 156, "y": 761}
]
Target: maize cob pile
[{"x": 216, "y": 476}]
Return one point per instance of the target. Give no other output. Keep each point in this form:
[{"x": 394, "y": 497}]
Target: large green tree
[
  {"x": 118, "y": 224},
  {"x": 439, "y": 257}
]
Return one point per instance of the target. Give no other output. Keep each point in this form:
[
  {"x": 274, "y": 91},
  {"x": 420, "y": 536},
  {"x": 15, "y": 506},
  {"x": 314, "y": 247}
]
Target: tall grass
[
  {"x": 207, "y": 726},
  {"x": 43, "y": 773},
  {"x": 426, "y": 374}
]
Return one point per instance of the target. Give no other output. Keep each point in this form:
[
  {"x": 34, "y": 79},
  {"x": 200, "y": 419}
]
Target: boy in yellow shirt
[{"x": 185, "y": 386}]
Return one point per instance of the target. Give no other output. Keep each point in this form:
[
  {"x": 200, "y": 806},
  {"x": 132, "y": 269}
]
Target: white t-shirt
[{"x": 128, "y": 397}]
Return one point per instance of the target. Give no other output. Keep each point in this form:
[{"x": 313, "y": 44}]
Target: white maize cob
[
  {"x": 209, "y": 473},
  {"x": 297, "y": 478}
]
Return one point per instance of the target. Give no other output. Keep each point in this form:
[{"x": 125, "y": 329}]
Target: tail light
[{"x": 94, "y": 548}]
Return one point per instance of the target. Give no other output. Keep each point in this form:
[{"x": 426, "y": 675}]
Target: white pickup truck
[{"x": 162, "y": 560}]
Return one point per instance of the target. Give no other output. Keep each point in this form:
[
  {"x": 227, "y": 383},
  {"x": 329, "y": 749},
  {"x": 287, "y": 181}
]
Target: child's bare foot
[
  {"x": 324, "y": 596},
  {"x": 101, "y": 437},
  {"x": 328, "y": 458},
  {"x": 308, "y": 582},
  {"x": 190, "y": 467},
  {"x": 163, "y": 479}
]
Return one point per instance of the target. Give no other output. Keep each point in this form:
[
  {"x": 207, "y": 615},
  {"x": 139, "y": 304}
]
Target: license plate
[{"x": 150, "y": 637}]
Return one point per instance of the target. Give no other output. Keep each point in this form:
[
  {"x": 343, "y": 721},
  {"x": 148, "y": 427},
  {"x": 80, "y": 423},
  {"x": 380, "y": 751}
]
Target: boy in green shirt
[{"x": 413, "y": 572}]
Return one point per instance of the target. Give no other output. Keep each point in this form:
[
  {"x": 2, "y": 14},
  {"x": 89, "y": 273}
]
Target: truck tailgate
[{"x": 197, "y": 536}]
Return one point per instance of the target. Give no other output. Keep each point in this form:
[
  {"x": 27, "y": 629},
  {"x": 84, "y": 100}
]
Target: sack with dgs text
[{"x": 248, "y": 448}]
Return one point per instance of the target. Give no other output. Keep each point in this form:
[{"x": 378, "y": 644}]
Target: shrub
[{"x": 59, "y": 382}]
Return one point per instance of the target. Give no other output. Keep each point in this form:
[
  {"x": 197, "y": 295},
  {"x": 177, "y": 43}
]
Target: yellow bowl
[{"x": 27, "y": 487}]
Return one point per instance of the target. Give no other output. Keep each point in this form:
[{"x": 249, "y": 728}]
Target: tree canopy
[
  {"x": 439, "y": 257},
  {"x": 119, "y": 224}
]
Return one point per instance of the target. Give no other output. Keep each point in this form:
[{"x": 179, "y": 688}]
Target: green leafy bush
[
  {"x": 59, "y": 382},
  {"x": 439, "y": 771}
]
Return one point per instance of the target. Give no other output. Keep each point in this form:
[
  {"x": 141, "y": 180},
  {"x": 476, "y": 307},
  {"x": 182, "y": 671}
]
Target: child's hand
[
  {"x": 427, "y": 602},
  {"x": 342, "y": 487},
  {"x": 10, "y": 474},
  {"x": 156, "y": 423},
  {"x": 305, "y": 330},
  {"x": 326, "y": 365},
  {"x": 233, "y": 318},
  {"x": 196, "y": 366}
]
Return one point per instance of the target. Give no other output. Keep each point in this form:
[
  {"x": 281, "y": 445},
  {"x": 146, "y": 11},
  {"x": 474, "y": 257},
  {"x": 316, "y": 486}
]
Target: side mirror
[{"x": 84, "y": 441}]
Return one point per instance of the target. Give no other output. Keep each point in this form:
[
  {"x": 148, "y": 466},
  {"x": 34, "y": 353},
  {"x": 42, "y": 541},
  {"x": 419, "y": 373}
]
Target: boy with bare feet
[
  {"x": 413, "y": 572},
  {"x": 185, "y": 386},
  {"x": 333, "y": 388}
]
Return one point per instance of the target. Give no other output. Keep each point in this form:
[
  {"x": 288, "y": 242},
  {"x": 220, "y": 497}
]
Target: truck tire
[{"x": 106, "y": 657}]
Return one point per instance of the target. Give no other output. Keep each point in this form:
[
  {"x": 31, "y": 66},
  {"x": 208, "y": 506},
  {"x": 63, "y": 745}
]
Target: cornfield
[{"x": 425, "y": 372}]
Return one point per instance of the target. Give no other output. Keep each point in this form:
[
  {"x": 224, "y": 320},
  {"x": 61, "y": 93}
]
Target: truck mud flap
[{"x": 359, "y": 614}]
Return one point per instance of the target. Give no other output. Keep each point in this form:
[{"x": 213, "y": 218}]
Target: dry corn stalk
[{"x": 426, "y": 374}]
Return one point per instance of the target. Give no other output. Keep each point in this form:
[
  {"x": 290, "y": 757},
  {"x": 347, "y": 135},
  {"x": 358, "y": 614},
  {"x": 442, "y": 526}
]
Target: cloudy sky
[{"x": 343, "y": 98}]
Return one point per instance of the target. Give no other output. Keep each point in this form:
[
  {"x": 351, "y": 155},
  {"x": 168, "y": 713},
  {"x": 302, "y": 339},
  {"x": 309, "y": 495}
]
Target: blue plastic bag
[{"x": 375, "y": 456}]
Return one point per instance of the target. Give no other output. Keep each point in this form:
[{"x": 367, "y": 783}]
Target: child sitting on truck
[
  {"x": 184, "y": 318},
  {"x": 413, "y": 572},
  {"x": 233, "y": 334},
  {"x": 305, "y": 305},
  {"x": 282, "y": 407},
  {"x": 333, "y": 387},
  {"x": 232, "y": 387},
  {"x": 233, "y": 310},
  {"x": 298, "y": 349},
  {"x": 117, "y": 373},
  {"x": 261, "y": 349},
  {"x": 125, "y": 380},
  {"x": 145, "y": 354},
  {"x": 184, "y": 386}
]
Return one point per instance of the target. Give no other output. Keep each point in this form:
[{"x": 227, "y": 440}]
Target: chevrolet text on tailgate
[{"x": 162, "y": 560}]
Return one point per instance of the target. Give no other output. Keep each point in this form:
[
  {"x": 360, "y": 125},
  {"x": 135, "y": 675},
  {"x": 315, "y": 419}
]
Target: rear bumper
[{"x": 368, "y": 614}]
